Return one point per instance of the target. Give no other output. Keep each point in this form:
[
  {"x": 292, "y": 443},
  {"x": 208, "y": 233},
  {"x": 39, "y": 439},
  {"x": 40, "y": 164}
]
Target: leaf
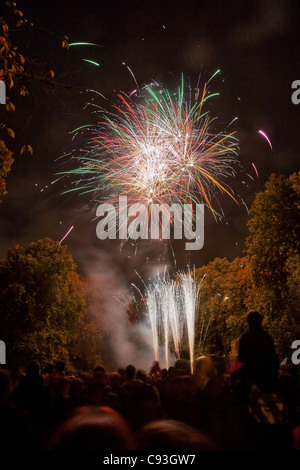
[
  {"x": 23, "y": 91},
  {"x": 10, "y": 132},
  {"x": 65, "y": 42},
  {"x": 26, "y": 148},
  {"x": 10, "y": 106},
  {"x": 51, "y": 73}
]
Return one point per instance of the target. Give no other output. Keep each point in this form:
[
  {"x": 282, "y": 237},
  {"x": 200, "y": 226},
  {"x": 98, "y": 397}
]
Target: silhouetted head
[
  {"x": 99, "y": 374},
  {"x": 32, "y": 371},
  {"x": 254, "y": 319},
  {"x": 169, "y": 435},
  {"x": 94, "y": 428},
  {"x": 121, "y": 371},
  {"x": 204, "y": 371},
  {"x": 115, "y": 380},
  {"x": 183, "y": 366},
  {"x": 60, "y": 367},
  {"x": 185, "y": 355},
  {"x": 296, "y": 437},
  {"x": 149, "y": 379},
  {"x": 140, "y": 375},
  {"x": 130, "y": 371}
]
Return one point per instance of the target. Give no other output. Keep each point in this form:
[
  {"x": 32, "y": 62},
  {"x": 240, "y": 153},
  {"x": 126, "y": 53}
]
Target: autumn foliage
[
  {"x": 266, "y": 279},
  {"x": 6, "y": 160},
  {"x": 43, "y": 312}
]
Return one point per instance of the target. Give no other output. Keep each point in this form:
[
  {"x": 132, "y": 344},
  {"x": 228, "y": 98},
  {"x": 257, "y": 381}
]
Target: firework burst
[{"x": 156, "y": 147}]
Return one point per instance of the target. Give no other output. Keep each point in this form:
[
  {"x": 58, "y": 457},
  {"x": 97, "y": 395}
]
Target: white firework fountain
[{"x": 172, "y": 307}]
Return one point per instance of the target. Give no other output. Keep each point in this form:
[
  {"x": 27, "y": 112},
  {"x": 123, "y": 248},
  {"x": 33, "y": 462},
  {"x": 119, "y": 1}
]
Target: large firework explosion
[{"x": 154, "y": 146}]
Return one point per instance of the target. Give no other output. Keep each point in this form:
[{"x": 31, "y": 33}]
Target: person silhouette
[{"x": 257, "y": 353}]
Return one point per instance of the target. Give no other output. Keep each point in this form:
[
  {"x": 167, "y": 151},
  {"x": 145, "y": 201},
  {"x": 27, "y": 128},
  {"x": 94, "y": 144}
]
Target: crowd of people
[{"x": 254, "y": 404}]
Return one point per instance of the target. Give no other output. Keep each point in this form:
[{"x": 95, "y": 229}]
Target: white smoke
[{"x": 109, "y": 275}]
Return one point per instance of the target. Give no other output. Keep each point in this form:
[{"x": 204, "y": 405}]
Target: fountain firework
[{"x": 172, "y": 308}]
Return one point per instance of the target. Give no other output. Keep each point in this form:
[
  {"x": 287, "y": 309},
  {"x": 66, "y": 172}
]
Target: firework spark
[
  {"x": 83, "y": 44},
  {"x": 255, "y": 169},
  {"x": 266, "y": 137},
  {"x": 93, "y": 62},
  {"x": 65, "y": 236}
]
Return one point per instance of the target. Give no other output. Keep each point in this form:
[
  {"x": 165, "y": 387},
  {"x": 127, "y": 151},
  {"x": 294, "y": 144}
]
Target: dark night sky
[{"x": 256, "y": 46}]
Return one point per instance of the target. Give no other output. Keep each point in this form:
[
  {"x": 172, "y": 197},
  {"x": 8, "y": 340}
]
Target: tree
[
  {"x": 267, "y": 279},
  {"x": 274, "y": 227},
  {"x": 89, "y": 337},
  {"x": 224, "y": 289},
  {"x": 20, "y": 67},
  {"x": 42, "y": 305},
  {"x": 6, "y": 160},
  {"x": 273, "y": 258}
]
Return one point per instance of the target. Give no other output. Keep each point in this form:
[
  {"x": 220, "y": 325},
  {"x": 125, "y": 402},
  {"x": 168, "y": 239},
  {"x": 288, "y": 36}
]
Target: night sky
[{"x": 256, "y": 46}]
